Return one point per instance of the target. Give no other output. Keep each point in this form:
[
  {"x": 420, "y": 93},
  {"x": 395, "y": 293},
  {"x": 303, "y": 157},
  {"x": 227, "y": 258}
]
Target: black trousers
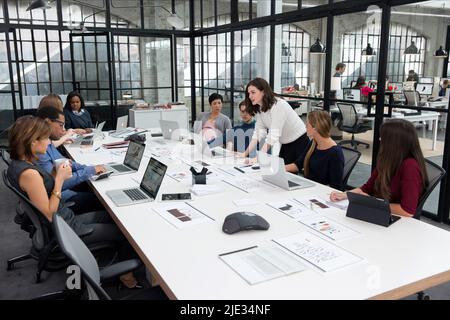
[{"x": 293, "y": 150}]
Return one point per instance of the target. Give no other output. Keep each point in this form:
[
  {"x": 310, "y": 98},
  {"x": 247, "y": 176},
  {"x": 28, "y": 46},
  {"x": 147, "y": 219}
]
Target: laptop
[
  {"x": 169, "y": 129},
  {"x": 131, "y": 162},
  {"x": 148, "y": 189},
  {"x": 370, "y": 209},
  {"x": 274, "y": 172},
  {"x": 121, "y": 128},
  {"x": 88, "y": 140}
]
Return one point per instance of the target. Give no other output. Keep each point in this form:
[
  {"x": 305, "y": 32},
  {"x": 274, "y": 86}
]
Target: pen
[
  {"x": 97, "y": 149},
  {"x": 239, "y": 169}
]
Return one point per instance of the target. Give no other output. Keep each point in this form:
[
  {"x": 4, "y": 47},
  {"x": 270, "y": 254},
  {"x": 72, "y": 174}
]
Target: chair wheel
[
  {"x": 9, "y": 266},
  {"x": 423, "y": 296}
]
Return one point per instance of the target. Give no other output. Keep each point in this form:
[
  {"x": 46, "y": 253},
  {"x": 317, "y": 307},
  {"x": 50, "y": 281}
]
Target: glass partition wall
[{"x": 219, "y": 45}]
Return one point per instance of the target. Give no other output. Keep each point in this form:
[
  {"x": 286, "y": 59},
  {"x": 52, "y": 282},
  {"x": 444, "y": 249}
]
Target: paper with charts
[
  {"x": 292, "y": 209},
  {"x": 320, "y": 253},
  {"x": 182, "y": 215},
  {"x": 248, "y": 184},
  {"x": 258, "y": 264},
  {"x": 314, "y": 203},
  {"x": 324, "y": 225}
]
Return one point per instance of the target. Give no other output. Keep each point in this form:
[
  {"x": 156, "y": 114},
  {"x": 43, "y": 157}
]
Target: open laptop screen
[
  {"x": 153, "y": 177},
  {"x": 134, "y": 155}
]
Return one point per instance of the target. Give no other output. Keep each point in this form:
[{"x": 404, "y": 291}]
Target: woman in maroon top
[{"x": 400, "y": 176}]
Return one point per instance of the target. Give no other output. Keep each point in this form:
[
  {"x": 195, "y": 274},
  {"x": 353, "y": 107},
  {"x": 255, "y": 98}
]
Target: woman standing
[
  {"x": 400, "y": 176},
  {"x": 276, "y": 121}
]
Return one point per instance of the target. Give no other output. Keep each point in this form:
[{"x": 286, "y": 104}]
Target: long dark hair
[
  {"x": 69, "y": 98},
  {"x": 268, "y": 99},
  {"x": 399, "y": 141}
]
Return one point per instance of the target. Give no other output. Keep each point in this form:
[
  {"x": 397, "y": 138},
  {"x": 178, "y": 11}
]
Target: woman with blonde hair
[{"x": 323, "y": 160}]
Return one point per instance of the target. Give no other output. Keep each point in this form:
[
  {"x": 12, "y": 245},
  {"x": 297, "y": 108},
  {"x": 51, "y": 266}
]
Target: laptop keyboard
[
  {"x": 292, "y": 184},
  {"x": 135, "y": 194},
  {"x": 120, "y": 168}
]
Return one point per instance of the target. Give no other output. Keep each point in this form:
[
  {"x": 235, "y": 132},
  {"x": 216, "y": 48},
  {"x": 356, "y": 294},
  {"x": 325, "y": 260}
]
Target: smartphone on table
[{"x": 176, "y": 196}]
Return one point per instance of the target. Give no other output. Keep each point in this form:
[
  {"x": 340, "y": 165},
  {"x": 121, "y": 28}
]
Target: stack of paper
[
  {"x": 114, "y": 145},
  {"x": 205, "y": 189}
]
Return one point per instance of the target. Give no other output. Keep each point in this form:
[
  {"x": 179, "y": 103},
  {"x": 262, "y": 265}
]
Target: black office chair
[
  {"x": 92, "y": 276},
  {"x": 350, "y": 123},
  {"x": 5, "y": 156},
  {"x": 44, "y": 246},
  {"x": 351, "y": 158},
  {"x": 435, "y": 174}
]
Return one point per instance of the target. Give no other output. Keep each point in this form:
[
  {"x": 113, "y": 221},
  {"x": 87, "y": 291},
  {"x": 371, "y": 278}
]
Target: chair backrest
[
  {"x": 349, "y": 117},
  {"x": 412, "y": 97},
  {"x": 435, "y": 174},
  {"x": 351, "y": 157},
  {"x": 5, "y": 157},
  {"x": 75, "y": 249},
  {"x": 42, "y": 231}
]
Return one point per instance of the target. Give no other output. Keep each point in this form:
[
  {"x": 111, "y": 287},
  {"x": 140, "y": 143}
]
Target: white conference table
[{"x": 398, "y": 261}]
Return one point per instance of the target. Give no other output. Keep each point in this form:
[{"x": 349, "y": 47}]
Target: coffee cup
[{"x": 61, "y": 161}]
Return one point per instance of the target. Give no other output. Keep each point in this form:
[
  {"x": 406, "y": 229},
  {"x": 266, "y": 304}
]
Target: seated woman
[
  {"x": 77, "y": 117},
  {"x": 54, "y": 100},
  {"x": 362, "y": 86},
  {"x": 443, "y": 89},
  {"x": 323, "y": 160},
  {"x": 214, "y": 123},
  {"x": 28, "y": 138},
  {"x": 400, "y": 176}
]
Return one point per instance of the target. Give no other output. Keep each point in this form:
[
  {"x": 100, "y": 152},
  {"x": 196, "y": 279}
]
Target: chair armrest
[{"x": 119, "y": 269}]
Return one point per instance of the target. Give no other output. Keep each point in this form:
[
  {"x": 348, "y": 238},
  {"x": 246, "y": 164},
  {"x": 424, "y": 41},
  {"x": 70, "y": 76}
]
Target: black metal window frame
[{"x": 303, "y": 14}]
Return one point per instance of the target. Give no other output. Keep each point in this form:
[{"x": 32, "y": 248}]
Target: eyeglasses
[{"x": 61, "y": 123}]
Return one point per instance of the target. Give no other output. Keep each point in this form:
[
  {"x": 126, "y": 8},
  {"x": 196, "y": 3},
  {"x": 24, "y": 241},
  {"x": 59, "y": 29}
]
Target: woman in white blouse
[{"x": 276, "y": 121}]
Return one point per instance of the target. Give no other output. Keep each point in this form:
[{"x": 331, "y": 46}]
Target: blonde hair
[{"x": 321, "y": 121}]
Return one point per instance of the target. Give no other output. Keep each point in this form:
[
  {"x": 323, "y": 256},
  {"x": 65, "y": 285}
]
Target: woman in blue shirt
[
  {"x": 75, "y": 113},
  {"x": 323, "y": 159}
]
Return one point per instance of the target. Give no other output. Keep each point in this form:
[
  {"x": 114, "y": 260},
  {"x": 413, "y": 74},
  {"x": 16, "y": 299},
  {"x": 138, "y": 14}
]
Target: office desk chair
[
  {"x": 412, "y": 98},
  {"x": 351, "y": 158},
  {"x": 79, "y": 254},
  {"x": 44, "y": 247},
  {"x": 350, "y": 123},
  {"x": 435, "y": 175},
  {"x": 5, "y": 157}
]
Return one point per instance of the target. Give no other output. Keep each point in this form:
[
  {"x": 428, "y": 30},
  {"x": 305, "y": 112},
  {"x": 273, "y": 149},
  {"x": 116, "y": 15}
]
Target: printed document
[
  {"x": 320, "y": 253},
  {"x": 182, "y": 215},
  {"x": 258, "y": 264}
]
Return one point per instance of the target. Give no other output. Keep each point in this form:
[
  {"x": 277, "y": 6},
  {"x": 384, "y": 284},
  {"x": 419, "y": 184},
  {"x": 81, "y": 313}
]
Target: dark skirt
[{"x": 293, "y": 150}]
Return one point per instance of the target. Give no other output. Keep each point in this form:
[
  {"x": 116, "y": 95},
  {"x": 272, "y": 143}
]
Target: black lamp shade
[
  {"x": 317, "y": 47},
  {"x": 440, "y": 53},
  {"x": 412, "y": 49},
  {"x": 38, "y": 4},
  {"x": 368, "y": 51}
]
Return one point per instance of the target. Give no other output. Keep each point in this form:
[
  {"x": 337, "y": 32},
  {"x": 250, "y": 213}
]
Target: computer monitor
[
  {"x": 425, "y": 88},
  {"x": 426, "y": 80},
  {"x": 352, "y": 94},
  {"x": 372, "y": 84},
  {"x": 409, "y": 85}
]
